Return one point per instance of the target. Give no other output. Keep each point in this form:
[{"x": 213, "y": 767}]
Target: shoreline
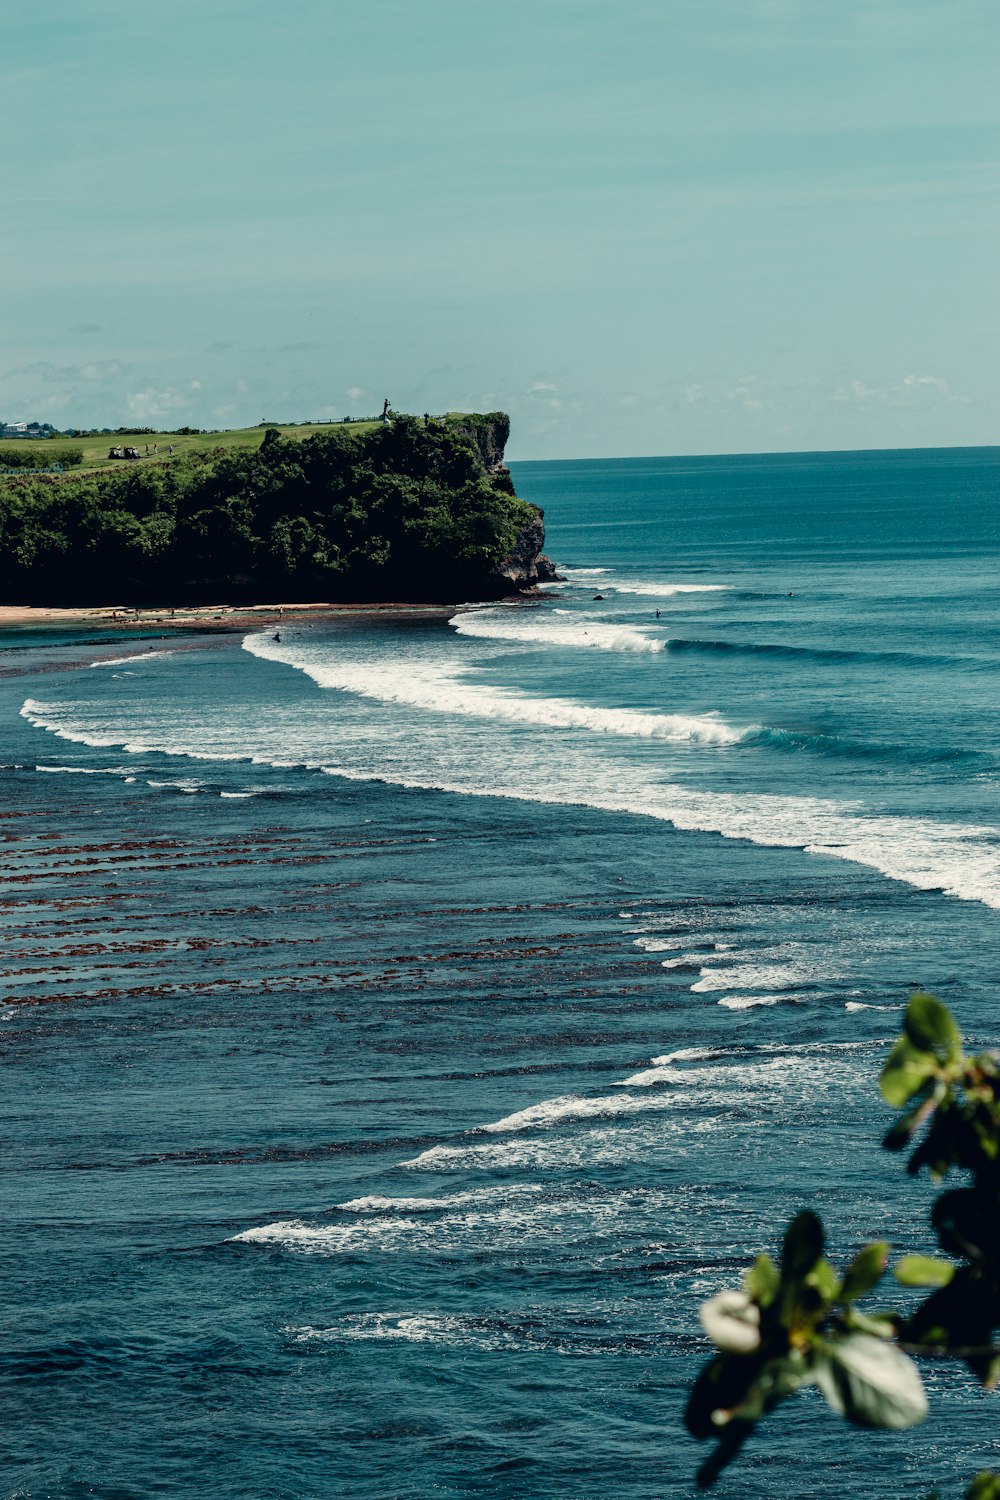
[{"x": 208, "y": 617}]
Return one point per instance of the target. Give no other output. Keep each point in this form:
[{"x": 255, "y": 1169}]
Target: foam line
[
  {"x": 668, "y": 590},
  {"x": 377, "y": 1203},
  {"x": 443, "y": 688},
  {"x": 530, "y": 626},
  {"x": 119, "y": 661},
  {"x": 961, "y": 860}
]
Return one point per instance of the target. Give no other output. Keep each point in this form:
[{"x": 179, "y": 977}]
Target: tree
[{"x": 797, "y": 1323}]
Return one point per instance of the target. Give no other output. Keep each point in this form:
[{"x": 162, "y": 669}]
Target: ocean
[{"x": 407, "y": 1023}]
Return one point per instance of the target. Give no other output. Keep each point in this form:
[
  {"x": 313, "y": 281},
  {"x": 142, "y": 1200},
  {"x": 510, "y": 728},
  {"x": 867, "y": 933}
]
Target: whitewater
[{"x": 436, "y": 747}]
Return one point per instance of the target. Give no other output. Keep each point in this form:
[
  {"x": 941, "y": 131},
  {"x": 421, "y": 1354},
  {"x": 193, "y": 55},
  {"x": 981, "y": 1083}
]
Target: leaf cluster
[
  {"x": 21, "y": 457},
  {"x": 798, "y": 1323},
  {"x": 951, "y": 1120}
]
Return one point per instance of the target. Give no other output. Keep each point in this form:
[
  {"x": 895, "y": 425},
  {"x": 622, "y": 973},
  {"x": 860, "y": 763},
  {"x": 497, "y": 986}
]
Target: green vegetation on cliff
[{"x": 411, "y": 509}]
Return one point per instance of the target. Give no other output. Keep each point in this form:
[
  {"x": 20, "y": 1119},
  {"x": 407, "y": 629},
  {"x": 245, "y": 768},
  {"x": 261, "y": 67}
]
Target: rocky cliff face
[
  {"x": 488, "y": 434},
  {"x": 525, "y": 564}
]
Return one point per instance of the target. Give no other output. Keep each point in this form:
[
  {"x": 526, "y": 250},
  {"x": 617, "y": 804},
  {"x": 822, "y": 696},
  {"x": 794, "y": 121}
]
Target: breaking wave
[
  {"x": 962, "y": 860},
  {"x": 444, "y": 688},
  {"x": 668, "y": 590},
  {"x": 532, "y": 626}
]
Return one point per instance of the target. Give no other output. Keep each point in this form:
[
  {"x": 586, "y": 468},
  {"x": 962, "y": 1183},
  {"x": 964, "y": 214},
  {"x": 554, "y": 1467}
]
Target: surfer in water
[{"x": 277, "y": 637}]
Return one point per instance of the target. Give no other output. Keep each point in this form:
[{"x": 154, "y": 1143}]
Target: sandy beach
[{"x": 203, "y": 617}]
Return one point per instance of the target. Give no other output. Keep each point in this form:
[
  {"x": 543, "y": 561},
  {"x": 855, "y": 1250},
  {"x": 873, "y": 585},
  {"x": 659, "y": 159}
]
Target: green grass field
[{"x": 95, "y": 449}]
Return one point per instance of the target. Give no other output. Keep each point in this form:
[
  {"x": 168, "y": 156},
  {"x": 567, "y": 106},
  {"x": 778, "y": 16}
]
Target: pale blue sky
[{"x": 641, "y": 226}]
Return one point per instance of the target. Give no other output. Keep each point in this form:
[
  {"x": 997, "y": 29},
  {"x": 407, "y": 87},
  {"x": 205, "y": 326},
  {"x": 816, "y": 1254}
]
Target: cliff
[
  {"x": 410, "y": 510},
  {"x": 525, "y": 565}
]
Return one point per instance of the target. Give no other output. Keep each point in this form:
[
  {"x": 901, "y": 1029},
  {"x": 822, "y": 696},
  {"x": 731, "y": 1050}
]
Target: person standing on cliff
[{"x": 385, "y": 410}]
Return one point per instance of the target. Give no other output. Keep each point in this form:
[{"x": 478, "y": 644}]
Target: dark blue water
[{"x": 407, "y": 1025}]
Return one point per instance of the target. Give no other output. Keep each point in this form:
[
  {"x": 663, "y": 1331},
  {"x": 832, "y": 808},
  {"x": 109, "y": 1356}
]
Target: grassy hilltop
[
  {"x": 412, "y": 509},
  {"x": 91, "y": 452}
]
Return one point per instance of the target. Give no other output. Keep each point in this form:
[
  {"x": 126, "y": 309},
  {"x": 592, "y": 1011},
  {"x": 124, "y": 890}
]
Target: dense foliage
[
  {"x": 18, "y": 456},
  {"x": 798, "y": 1323},
  {"x": 409, "y": 510}
]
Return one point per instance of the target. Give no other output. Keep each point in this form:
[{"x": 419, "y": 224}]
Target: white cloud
[
  {"x": 152, "y": 405},
  {"x": 910, "y": 391},
  {"x": 932, "y": 380},
  {"x": 854, "y": 390},
  {"x": 94, "y": 371}
]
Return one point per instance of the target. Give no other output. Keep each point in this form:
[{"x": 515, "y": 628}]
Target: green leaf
[
  {"x": 865, "y": 1270},
  {"x": 825, "y": 1281},
  {"x": 762, "y": 1281},
  {"x": 923, "y": 1270},
  {"x": 878, "y": 1327},
  {"x": 907, "y": 1070},
  {"x": 930, "y": 1028},
  {"x": 803, "y": 1245},
  {"x": 985, "y": 1486},
  {"x": 870, "y": 1382}
]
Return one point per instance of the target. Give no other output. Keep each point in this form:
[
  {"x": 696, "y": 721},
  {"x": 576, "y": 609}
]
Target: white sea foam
[
  {"x": 752, "y": 1067},
  {"x": 443, "y": 688},
  {"x": 295, "y": 1234},
  {"x": 723, "y": 1081},
  {"x": 55, "y": 719},
  {"x": 482, "y": 1219},
  {"x": 962, "y": 860},
  {"x": 691, "y": 1054},
  {"x": 649, "y": 587},
  {"x": 84, "y": 770},
  {"x": 409, "y": 1328},
  {"x": 698, "y": 1098},
  {"x": 860, "y": 1005},
  {"x": 377, "y": 1203},
  {"x": 667, "y": 590},
  {"x": 534, "y": 626},
  {"x": 749, "y": 976},
  {"x": 120, "y": 661},
  {"x": 616, "y": 1142},
  {"x": 750, "y": 1002},
  {"x": 567, "y": 1107},
  {"x": 664, "y": 1069}
]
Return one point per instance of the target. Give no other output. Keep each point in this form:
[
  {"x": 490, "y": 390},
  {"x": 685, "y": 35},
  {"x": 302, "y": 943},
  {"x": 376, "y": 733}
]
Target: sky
[{"x": 639, "y": 226}]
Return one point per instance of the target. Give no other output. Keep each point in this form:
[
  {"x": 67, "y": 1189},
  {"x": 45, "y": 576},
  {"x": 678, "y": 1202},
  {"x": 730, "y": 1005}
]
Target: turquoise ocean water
[{"x": 405, "y": 1026}]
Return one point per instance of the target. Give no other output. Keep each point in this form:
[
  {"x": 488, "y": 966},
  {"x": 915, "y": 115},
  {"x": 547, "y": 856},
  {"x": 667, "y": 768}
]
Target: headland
[{"x": 406, "y": 509}]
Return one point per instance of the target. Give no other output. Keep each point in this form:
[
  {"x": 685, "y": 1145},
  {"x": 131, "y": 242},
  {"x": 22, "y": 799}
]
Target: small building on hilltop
[{"x": 26, "y": 429}]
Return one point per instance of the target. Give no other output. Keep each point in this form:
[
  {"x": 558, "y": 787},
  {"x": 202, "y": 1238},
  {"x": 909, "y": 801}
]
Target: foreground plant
[{"x": 797, "y": 1323}]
